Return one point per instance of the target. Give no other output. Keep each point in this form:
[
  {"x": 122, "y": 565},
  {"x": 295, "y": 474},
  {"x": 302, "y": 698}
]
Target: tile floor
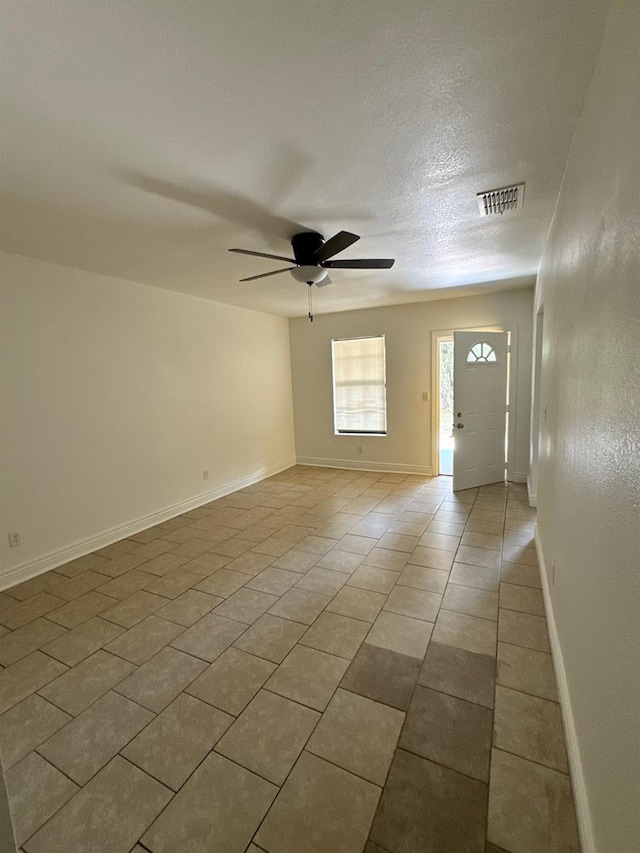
[{"x": 325, "y": 662}]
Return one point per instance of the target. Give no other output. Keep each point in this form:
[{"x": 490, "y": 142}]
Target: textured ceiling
[{"x": 142, "y": 139}]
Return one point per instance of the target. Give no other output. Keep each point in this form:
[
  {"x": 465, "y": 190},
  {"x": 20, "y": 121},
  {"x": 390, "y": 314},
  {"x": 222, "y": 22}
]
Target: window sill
[{"x": 362, "y": 434}]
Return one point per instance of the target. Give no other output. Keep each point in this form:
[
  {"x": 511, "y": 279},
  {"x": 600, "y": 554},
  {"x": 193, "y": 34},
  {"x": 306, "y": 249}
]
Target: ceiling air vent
[{"x": 501, "y": 201}]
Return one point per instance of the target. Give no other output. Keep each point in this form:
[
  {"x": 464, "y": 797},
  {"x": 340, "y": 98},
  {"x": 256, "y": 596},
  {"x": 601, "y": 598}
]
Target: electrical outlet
[
  {"x": 553, "y": 574},
  {"x": 425, "y": 396},
  {"x": 15, "y": 539},
  {"x": 360, "y": 449},
  {"x": 205, "y": 474}
]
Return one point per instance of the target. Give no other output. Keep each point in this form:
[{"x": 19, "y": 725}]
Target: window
[
  {"x": 482, "y": 353},
  {"x": 359, "y": 386}
]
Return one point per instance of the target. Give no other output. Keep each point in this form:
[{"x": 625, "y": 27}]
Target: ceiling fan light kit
[
  {"x": 310, "y": 275},
  {"x": 311, "y": 259}
]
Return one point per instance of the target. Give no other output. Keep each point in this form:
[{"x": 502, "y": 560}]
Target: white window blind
[{"x": 359, "y": 386}]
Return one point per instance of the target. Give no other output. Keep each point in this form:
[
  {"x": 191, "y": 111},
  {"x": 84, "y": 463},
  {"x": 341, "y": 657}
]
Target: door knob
[{"x": 459, "y": 426}]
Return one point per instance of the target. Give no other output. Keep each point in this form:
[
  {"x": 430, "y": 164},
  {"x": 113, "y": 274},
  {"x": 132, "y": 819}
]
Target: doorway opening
[
  {"x": 445, "y": 406},
  {"x": 443, "y": 416}
]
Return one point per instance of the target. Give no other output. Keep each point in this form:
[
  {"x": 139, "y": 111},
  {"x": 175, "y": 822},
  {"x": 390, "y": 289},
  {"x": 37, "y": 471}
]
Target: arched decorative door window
[{"x": 482, "y": 353}]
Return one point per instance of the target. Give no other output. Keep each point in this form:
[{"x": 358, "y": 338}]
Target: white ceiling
[{"x": 142, "y": 139}]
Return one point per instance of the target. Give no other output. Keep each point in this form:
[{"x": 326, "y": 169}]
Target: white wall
[
  {"x": 117, "y": 395},
  {"x": 538, "y": 339},
  {"x": 407, "y": 445},
  {"x": 589, "y": 451}
]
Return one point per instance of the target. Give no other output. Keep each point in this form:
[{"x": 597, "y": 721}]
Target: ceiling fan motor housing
[{"x": 305, "y": 245}]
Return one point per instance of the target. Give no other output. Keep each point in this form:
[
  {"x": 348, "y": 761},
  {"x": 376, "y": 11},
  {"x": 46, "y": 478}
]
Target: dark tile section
[
  {"x": 382, "y": 675},
  {"x": 460, "y": 673},
  {"x": 449, "y": 731},
  {"x": 428, "y": 808}
]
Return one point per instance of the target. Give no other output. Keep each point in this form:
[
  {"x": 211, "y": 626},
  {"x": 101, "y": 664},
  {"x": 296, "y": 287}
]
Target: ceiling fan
[{"x": 311, "y": 259}]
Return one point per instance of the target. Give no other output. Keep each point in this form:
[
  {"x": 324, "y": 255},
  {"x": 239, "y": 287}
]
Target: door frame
[
  {"x": 512, "y": 391},
  {"x": 436, "y": 337}
]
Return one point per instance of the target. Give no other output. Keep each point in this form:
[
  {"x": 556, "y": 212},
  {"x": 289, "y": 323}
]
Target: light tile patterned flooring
[{"x": 328, "y": 661}]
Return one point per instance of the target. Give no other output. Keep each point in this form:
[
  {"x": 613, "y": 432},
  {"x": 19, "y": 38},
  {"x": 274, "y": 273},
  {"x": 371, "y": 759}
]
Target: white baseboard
[
  {"x": 519, "y": 477},
  {"x": 353, "y": 465},
  {"x": 533, "y": 498},
  {"x": 577, "y": 777},
  {"x": 53, "y": 559}
]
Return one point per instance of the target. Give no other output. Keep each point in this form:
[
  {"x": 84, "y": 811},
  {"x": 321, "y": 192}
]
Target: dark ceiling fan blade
[
  {"x": 265, "y": 274},
  {"x": 364, "y": 264},
  {"x": 341, "y": 240},
  {"x": 263, "y": 255}
]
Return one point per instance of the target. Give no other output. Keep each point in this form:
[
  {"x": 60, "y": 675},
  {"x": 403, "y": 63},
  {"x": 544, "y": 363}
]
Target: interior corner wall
[
  {"x": 116, "y": 396},
  {"x": 407, "y": 330},
  {"x": 589, "y": 448}
]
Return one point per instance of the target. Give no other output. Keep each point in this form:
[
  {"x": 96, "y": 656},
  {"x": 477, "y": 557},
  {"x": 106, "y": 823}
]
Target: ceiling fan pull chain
[{"x": 310, "y": 301}]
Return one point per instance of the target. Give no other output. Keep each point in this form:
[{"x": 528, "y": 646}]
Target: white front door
[{"x": 479, "y": 408}]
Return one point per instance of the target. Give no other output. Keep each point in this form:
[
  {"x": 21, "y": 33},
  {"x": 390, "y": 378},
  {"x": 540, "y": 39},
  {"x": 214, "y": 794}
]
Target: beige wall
[
  {"x": 589, "y": 462},
  {"x": 408, "y": 328},
  {"x": 117, "y": 396}
]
